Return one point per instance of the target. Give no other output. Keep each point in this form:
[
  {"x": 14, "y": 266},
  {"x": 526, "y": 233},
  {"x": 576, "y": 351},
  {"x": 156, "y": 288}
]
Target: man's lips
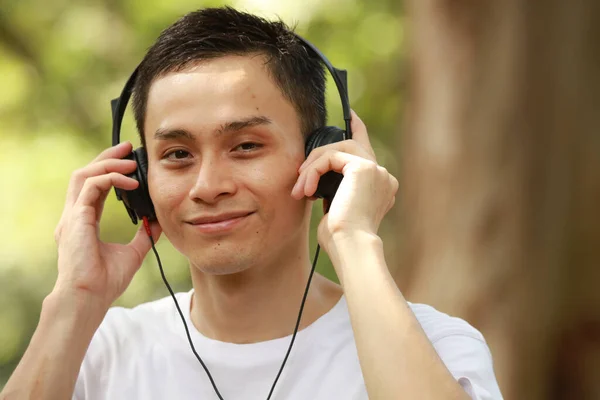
[
  {"x": 218, "y": 224},
  {"x": 213, "y": 219}
]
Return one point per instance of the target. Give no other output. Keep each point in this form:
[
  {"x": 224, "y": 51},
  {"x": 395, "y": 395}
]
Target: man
[{"x": 224, "y": 103}]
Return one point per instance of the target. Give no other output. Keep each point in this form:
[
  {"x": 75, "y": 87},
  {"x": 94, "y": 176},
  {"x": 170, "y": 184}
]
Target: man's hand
[
  {"x": 364, "y": 196},
  {"x": 91, "y": 275},
  {"x": 88, "y": 268}
]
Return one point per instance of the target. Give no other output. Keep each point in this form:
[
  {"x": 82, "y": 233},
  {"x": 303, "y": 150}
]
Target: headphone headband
[{"x": 340, "y": 78}]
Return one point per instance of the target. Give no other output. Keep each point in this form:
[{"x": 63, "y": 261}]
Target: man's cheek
[
  {"x": 166, "y": 192},
  {"x": 284, "y": 180}
]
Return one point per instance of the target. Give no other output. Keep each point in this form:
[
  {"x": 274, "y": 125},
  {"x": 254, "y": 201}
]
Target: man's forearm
[
  {"x": 396, "y": 357},
  {"x": 51, "y": 363}
]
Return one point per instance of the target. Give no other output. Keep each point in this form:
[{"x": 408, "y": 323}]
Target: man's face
[{"x": 224, "y": 145}]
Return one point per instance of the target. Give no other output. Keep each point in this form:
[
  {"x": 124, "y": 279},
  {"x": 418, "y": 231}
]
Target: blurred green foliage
[{"x": 60, "y": 64}]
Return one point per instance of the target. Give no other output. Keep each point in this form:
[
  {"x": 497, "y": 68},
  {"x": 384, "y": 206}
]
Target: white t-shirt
[{"x": 144, "y": 353}]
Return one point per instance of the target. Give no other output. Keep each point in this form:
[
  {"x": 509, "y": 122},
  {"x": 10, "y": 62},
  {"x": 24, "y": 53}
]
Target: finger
[
  {"x": 102, "y": 167},
  {"x": 359, "y": 132},
  {"x": 100, "y": 205},
  {"x": 118, "y": 151},
  {"x": 296, "y": 190},
  {"x": 313, "y": 175},
  {"x": 391, "y": 204},
  {"x": 79, "y": 177},
  {"x": 299, "y": 190},
  {"x": 96, "y": 187},
  {"x": 330, "y": 161},
  {"x": 141, "y": 243},
  {"x": 394, "y": 183},
  {"x": 347, "y": 146}
]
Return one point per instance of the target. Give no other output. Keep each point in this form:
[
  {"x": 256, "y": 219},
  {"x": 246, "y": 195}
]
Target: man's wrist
[
  {"x": 78, "y": 309},
  {"x": 349, "y": 237},
  {"x": 354, "y": 249}
]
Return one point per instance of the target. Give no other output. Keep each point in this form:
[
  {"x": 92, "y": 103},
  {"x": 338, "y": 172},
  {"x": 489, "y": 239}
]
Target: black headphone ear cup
[
  {"x": 323, "y": 136},
  {"x": 329, "y": 182},
  {"x": 137, "y": 201}
]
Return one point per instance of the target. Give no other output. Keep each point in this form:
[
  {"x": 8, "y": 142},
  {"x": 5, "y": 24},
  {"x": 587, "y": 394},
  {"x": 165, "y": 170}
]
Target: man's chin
[{"x": 217, "y": 264}]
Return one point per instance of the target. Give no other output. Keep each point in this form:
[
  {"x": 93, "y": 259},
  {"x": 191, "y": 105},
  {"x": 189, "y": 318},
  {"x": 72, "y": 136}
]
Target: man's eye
[
  {"x": 248, "y": 146},
  {"x": 177, "y": 154}
]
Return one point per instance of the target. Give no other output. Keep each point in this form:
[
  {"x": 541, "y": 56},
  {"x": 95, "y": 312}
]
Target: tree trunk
[{"x": 501, "y": 183}]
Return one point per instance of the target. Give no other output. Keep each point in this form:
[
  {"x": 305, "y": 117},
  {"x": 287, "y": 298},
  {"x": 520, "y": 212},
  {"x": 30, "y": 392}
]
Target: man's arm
[
  {"x": 91, "y": 275},
  {"x": 50, "y": 366},
  {"x": 397, "y": 359}
]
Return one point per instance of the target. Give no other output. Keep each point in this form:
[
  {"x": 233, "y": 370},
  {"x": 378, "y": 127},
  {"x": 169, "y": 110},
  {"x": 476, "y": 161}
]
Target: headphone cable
[{"x": 149, "y": 232}]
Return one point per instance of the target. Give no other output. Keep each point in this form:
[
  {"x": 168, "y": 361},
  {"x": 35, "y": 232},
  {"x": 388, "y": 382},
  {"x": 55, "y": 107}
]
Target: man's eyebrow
[
  {"x": 233, "y": 126},
  {"x": 171, "y": 134},
  {"x": 227, "y": 127}
]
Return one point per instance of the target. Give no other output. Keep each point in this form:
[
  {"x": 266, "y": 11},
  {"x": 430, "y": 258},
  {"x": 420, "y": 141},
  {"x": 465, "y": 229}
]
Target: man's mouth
[{"x": 217, "y": 223}]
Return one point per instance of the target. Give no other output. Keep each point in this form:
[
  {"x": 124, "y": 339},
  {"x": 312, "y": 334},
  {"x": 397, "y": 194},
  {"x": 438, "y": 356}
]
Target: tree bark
[{"x": 501, "y": 183}]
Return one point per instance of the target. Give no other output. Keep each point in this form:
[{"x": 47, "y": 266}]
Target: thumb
[
  {"x": 359, "y": 132},
  {"x": 141, "y": 242}
]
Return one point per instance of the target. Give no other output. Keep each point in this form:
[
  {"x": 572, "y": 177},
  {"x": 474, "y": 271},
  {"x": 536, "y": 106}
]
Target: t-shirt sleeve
[
  {"x": 463, "y": 350},
  {"x": 91, "y": 368},
  {"x": 100, "y": 356},
  {"x": 470, "y": 362}
]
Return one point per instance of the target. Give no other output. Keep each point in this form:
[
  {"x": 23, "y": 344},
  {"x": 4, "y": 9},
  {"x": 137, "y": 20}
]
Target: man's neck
[{"x": 260, "y": 303}]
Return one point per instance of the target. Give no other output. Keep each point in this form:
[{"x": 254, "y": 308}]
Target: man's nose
[{"x": 214, "y": 181}]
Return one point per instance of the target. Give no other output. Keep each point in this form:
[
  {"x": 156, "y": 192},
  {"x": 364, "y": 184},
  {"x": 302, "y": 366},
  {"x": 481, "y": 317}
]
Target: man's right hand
[
  {"x": 91, "y": 275},
  {"x": 87, "y": 267}
]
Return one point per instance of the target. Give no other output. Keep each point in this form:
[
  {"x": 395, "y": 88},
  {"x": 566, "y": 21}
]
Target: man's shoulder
[
  {"x": 127, "y": 336},
  {"x": 164, "y": 305},
  {"x": 124, "y": 323},
  {"x": 463, "y": 350},
  {"x": 438, "y": 325}
]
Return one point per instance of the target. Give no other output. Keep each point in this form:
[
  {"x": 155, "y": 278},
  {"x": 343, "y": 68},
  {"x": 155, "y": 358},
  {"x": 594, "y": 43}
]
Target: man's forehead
[
  {"x": 231, "y": 78},
  {"x": 233, "y": 68},
  {"x": 215, "y": 92}
]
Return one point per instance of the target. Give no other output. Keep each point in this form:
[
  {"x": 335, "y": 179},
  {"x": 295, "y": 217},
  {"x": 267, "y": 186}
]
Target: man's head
[
  {"x": 224, "y": 102},
  {"x": 218, "y": 32}
]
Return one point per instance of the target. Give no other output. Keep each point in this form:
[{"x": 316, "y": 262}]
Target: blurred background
[{"x": 487, "y": 113}]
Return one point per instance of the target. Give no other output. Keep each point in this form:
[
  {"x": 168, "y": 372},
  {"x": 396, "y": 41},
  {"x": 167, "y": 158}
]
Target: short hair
[{"x": 211, "y": 33}]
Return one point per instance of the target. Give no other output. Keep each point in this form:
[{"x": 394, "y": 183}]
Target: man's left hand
[{"x": 365, "y": 195}]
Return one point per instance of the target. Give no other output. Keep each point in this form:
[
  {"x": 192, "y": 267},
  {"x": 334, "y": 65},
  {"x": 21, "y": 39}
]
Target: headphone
[{"x": 138, "y": 202}]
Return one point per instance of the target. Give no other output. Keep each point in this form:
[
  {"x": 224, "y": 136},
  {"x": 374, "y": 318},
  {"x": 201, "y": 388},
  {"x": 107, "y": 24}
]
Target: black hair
[{"x": 217, "y": 32}]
